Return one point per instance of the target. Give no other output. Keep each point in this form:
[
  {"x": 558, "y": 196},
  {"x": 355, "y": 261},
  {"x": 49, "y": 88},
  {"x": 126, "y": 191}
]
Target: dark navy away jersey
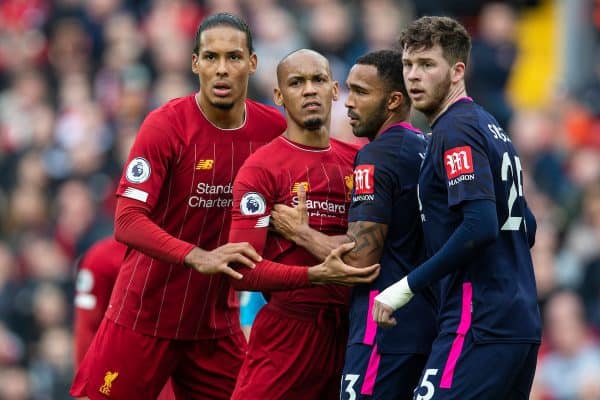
[
  {"x": 471, "y": 158},
  {"x": 386, "y": 173}
]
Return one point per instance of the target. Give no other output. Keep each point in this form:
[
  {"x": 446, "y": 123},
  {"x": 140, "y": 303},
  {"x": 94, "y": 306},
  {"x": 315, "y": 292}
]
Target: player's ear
[
  {"x": 253, "y": 63},
  {"x": 195, "y": 60},
  {"x": 277, "y": 97},
  {"x": 458, "y": 72},
  {"x": 395, "y": 100},
  {"x": 336, "y": 90}
]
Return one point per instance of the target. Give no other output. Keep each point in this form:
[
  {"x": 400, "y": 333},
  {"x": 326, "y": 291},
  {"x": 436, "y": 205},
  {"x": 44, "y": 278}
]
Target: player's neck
[
  {"x": 392, "y": 119},
  {"x": 454, "y": 93},
  {"x": 229, "y": 118},
  {"x": 313, "y": 138}
]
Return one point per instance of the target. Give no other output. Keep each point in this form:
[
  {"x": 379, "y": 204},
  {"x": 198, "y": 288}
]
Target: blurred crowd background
[{"x": 77, "y": 78}]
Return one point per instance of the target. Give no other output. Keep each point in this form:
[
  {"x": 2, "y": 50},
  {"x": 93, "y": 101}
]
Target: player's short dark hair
[
  {"x": 389, "y": 68},
  {"x": 224, "y": 19},
  {"x": 426, "y": 32}
]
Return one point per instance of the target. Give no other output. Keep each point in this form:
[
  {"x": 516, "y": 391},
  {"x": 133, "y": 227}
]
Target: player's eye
[
  {"x": 235, "y": 57},
  {"x": 208, "y": 56}
]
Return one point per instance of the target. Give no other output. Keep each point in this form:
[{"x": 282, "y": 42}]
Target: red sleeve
[
  {"x": 150, "y": 158},
  {"x": 134, "y": 228},
  {"x": 253, "y": 197}
]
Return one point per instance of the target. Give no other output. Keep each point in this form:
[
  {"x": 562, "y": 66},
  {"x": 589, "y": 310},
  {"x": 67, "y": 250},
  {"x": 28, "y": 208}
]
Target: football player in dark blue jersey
[
  {"x": 478, "y": 232},
  {"x": 384, "y": 221}
]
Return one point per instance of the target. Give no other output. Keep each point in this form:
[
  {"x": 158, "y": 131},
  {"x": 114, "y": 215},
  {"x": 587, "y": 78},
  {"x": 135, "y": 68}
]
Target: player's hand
[
  {"x": 218, "y": 261},
  {"x": 391, "y": 299},
  {"x": 335, "y": 271},
  {"x": 382, "y": 315},
  {"x": 289, "y": 221}
]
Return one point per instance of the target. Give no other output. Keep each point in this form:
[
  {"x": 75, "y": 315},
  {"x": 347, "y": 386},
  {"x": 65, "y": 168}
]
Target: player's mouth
[
  {"x": 353, "y": 118},
  {"x": 416, "y": 94},
  {"x": 222, "y": 89},
  {"x": 312, "y": 105}
]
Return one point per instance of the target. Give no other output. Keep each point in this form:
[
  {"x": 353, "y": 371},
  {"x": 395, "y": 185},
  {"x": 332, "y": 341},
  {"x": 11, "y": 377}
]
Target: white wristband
[{"x": 397, "y": 295}]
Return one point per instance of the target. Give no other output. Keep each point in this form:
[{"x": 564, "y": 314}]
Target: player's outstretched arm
[
  {"x": 218, "y": 260},
  {"x": 292, "y": 224},
  {"x": 478, "y": 229},
  {"x": 335, "y": 271}
]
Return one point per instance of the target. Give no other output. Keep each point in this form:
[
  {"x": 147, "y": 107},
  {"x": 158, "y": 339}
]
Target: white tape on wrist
[{"x": 397, "y": 295}]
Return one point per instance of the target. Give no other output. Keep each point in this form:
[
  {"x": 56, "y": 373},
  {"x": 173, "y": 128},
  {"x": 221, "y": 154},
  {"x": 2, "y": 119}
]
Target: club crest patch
[
  {"x": 138, "y": 170},
  {"x": 253, "y": 203}
]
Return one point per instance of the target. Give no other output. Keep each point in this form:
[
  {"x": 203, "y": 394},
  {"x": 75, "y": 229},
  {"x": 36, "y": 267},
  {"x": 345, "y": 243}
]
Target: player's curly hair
[
  {"x": 224, "y": 19},
  {"x": 426, "y": 32},
  {"x": 389, "y": 68}
]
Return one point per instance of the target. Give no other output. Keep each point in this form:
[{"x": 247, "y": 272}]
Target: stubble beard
[
  {"x": 439, "y": 93},
  {"x": 313, "y": 124},
  {"x": 372, "y": 125},
  {"x": 222, "y": 105}
]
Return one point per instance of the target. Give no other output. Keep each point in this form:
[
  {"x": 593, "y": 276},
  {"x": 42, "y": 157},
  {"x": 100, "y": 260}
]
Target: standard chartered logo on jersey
[
  {"x": 325, "y": 208},
  {"x": 210, "y": 196}
]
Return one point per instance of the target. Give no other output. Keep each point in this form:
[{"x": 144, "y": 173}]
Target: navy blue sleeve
[
  {"x": 478, "y": 229},
  {"x": 374, "y": 186},
  {"x": 530, "y": 226},
  {"x": 466, "y": 164}
]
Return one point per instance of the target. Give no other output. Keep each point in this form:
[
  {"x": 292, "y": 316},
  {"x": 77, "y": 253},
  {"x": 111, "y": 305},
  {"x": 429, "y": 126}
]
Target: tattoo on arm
[{"x": 369, "y": 238}]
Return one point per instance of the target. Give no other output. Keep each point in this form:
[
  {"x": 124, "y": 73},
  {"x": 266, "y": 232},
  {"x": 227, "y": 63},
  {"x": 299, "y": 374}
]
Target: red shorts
[
  {"x": 294, "y": 355},
  {"x": 124, "y": 364}
]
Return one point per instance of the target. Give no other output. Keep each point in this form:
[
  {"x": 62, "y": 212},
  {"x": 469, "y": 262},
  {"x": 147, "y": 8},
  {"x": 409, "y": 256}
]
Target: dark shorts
[
  {"x": 369, "y": 374},
  {"x": 293, "y": 356},
  {"x": 459, "y": 369},
  {"x": 124, "y": 364}
]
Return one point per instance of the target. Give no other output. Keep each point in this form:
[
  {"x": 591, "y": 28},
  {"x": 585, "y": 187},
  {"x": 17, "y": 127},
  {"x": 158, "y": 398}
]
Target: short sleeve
[
  {"x": 149, "y": 160},
  {"x": 465, "y": 165},
  {"x": 373, "y": 189}
]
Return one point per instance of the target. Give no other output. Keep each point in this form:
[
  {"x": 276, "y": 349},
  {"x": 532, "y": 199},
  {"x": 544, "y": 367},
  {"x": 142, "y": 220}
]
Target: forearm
[
  {"x": 478, "y": 229},
  {"x": 134, "y": 228},
  {"x": 317, "y": 243},
  {"x": 271, "y": 276}
]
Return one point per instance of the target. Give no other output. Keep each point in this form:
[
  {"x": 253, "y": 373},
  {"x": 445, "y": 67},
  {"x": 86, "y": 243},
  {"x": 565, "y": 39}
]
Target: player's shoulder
[
  {"x": 398, "y": 144},
  {"x": 171, "y": 109},
  {"x": 267, "y": 155},
  {"x": 345, "y": 147},
  {"x": 264, "y": 112}
]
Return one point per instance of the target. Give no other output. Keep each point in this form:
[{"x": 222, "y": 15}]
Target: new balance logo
[
  {"x": 364, "y": 179},
  {"x": 205, "y": 164},
  {"x": 458, "y": 161}
]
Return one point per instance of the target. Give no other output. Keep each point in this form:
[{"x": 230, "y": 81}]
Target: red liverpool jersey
[
  {"x": 182, "y": 167},
  {"x": 96, "y": 275},
  {"x": 272, "y": 176}
]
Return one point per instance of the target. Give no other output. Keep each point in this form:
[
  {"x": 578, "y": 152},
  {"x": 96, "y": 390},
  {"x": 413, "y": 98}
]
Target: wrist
[
  {"x": 315, "y": 274},
  {"x": 396, "y": 295},
  {"x": 193, "y": 254}
]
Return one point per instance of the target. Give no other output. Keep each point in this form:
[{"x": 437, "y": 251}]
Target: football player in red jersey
[
  {"x": 173, "y": 312},
  {"x": 97, "y": 271},
  {"x": 297, "y": 344}
]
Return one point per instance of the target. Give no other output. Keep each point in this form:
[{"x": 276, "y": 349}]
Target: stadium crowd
[{"x": 78, "y": 76}]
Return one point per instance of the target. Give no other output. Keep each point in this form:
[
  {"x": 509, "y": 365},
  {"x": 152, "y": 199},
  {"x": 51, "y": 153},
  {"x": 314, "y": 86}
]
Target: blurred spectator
[
  {"x": 15, "y": 384},
  {"x": 492, "y": 57},
  {"x": 570, "y": 370}
]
